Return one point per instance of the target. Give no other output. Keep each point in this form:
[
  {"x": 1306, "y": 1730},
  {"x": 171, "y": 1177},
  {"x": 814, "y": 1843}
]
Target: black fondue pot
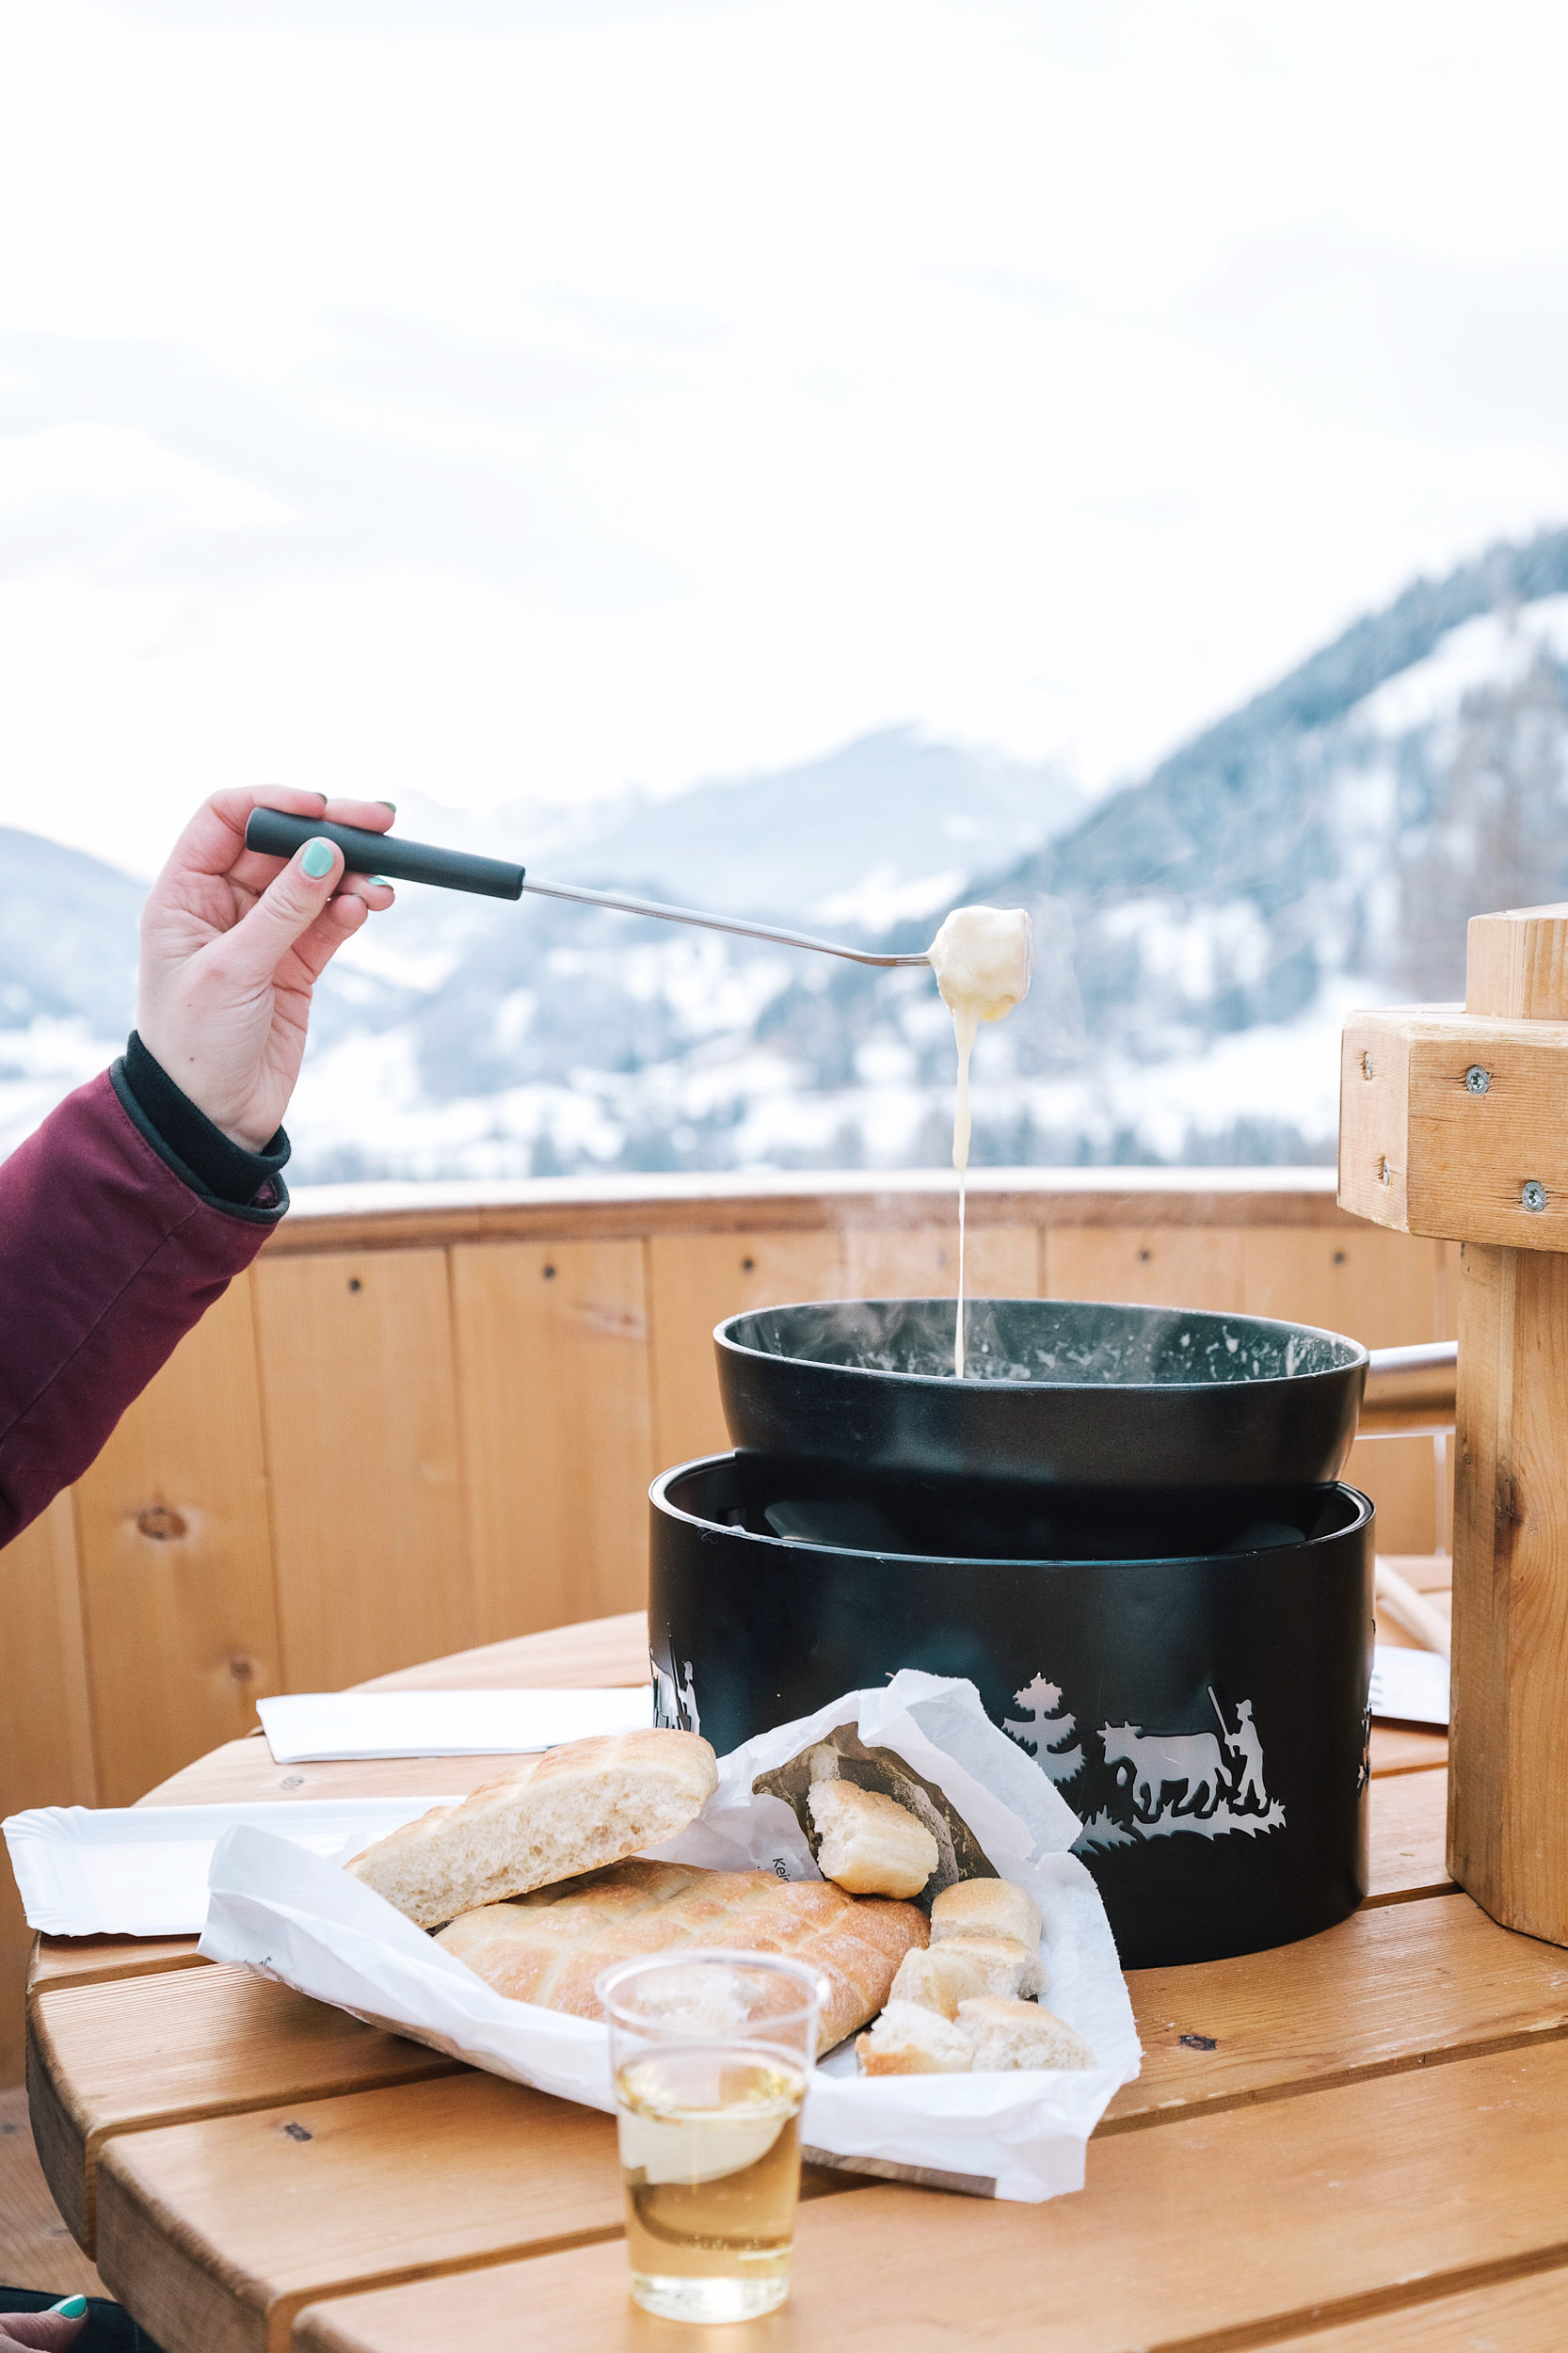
[
  {"x": 1056, "y": 1391},
  {"x": 1190, "y": 1668}
]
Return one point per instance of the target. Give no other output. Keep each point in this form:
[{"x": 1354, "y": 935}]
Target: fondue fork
[{"x": 278, "y": 833}]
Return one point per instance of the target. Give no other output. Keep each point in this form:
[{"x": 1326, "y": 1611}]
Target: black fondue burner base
[{"x": 1190, "y": 1670}]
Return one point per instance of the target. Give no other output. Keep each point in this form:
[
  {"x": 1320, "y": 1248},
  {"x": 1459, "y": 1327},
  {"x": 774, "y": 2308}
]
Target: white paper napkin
[
  {"x": 321, "y": 1727},
  {"x": 1410, "y": 1685},
  {"x": 142, "y": 1870}
]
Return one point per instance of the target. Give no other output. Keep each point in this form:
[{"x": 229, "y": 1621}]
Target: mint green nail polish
[
  {"x": 70, "y": 2307},
  {"x": 317, "y": 859},
  {"x": 392, "y": 805}
]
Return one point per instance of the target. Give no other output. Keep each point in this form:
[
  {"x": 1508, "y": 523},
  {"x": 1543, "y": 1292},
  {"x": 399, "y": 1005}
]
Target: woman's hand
[
  {"x": 232, "y": 944},
  {"x": 40, "y": 2332}
]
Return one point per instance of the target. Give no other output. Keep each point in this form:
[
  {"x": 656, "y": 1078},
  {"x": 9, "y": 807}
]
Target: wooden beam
[
  {"x": 391, "y": 1216},
  {"x": 1456, "y": 1125},
  {"x": 1508, "y": 1785}
]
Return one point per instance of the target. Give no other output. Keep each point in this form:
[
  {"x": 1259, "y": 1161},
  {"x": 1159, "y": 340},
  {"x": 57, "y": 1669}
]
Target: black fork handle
[{"x": 278, "y": 833}]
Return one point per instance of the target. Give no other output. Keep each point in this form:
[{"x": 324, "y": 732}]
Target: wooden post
[
  {"x": 1508, "y": 1773},
  {"x": 1456, "y": 1125}
]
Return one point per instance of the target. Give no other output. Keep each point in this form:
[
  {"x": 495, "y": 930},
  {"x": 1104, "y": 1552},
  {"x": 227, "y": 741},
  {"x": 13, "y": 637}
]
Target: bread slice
[
  {"x": 550, "y": 1947},
  {"x": 552, "y": 1817},
  {"x": 938, "y": 1978},
  {"x": 908, "y": 2039},
  {"x": 1005, "y": 2035},
  {"x": 870, "y": 1844},
  {"x": 1009, "y": 1970},
  {"x": 985, "y": 1907}
]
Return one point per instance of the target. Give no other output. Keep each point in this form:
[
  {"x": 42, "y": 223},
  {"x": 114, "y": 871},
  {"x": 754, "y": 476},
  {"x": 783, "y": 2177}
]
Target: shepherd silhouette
[{"x": 1245, "y": 1746}]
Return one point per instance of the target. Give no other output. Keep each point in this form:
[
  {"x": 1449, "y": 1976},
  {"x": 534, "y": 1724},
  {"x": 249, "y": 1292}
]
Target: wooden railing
[{"x": 429, "y": 1417}]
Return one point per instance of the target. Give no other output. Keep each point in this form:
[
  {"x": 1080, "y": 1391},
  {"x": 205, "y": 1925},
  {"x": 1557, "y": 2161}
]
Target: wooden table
[{"x": 1358, "y": 2141}]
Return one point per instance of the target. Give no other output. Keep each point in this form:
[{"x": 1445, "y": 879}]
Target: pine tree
[{"x": 1046, "y": 1730}]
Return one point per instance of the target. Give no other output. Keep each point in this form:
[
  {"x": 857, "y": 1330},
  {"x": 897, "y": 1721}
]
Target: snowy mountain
[{"x": 1200, "y": 934}]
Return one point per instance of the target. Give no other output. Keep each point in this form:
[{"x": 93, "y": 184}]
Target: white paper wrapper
[{"x": 1019, "y": 2136}]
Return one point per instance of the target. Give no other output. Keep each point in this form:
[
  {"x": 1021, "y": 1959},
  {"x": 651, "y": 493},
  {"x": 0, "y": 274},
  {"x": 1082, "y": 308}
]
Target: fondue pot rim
[
  {"x": 1355, "y": 1352},
  {"x": 659, "y": 1497}
]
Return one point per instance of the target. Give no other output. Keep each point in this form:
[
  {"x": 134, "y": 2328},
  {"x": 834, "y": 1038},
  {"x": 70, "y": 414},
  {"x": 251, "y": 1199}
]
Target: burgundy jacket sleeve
[{"x": 108, "y": 1256}]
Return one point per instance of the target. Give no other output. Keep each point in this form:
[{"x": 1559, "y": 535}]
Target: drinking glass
[{"x": 710, "y": 2054}]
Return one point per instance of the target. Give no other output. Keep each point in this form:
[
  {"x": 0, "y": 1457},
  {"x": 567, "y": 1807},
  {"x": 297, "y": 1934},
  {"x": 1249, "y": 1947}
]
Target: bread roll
[
  {"x": 870, "y": 1844},
  {"x": 550, "y": 1947},
  {"x": 552, "y": 1817},
  {"x": 985, "y": 1907},
  {"x": 908, "y": 2039},
  {"x": 1005, "y": 2035},
  {"x": 938, "y": 1979},
  {"x": 1010, "y": 1970}
]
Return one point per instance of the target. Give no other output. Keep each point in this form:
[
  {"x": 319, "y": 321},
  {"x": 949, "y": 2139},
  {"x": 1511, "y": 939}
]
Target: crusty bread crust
[
  {"x": 550, "y": 1947},
  {"x": 985, "y": 1907},
  {"x": 575, "y": 1807}
]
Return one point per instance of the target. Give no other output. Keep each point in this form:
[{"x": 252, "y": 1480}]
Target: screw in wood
[
  {"x": 1367, "y": 1065},
  {"x": 1477, "y": 1080},
  {"x": 1532, "y": 1195}
]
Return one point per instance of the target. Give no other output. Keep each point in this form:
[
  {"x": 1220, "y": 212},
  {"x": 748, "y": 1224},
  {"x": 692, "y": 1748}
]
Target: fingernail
[
  {"x": 392, "y": 805},
  {"x": 70, "y": 2307},
  {"x": 317, "y": 859},
  {"x": 379, "y": 881}
]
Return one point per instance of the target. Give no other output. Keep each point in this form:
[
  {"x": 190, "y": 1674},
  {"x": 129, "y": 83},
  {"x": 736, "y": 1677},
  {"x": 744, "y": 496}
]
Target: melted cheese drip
[{"x": 983, "y": 959}]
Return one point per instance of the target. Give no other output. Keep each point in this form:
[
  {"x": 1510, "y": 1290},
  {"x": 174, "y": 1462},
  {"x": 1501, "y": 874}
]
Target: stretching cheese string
[{"x": 983, "y": 959}]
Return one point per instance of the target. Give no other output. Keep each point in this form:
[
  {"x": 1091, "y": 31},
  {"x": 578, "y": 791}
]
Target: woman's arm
[{"x": 146, "y": 1192}]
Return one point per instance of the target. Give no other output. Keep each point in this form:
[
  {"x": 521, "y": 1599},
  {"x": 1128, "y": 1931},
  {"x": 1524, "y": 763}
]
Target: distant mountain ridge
[
  {"x": 1203, "y": 799},
  {"x": 1200, "y": 934}
]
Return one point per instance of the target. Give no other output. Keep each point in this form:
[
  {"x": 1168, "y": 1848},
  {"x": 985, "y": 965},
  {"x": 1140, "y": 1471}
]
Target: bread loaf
[
  {"x": 909, "y": 2040},
  {"x": 869, "y": 1844},
  {"x": 552, "y": 1817},
  {"x": 1005, "y": 2035},
  {"x": 938, "y": 1978},
  {"x": 550, "y": 1947},
  {"x": 985, "y": 1907}
]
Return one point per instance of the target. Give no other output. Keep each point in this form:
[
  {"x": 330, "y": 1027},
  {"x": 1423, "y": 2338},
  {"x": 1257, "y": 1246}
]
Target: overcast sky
[{"x": 517, "y": 399}]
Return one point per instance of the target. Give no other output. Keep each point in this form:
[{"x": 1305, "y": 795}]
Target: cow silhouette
[{"x": 1188, "y": 1763}]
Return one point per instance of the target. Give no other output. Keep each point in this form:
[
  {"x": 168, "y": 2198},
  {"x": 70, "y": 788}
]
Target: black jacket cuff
[{"x": 246, "y": 1184}]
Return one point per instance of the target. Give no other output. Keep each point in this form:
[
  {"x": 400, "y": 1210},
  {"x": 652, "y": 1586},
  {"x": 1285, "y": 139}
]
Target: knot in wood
[{"x": 162, "y": 1524}]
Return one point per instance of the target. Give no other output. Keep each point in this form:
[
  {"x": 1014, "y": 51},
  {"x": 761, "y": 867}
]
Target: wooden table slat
[
  {"x": 119, "y": 2058},
  {"x": 1408, "y": 1826},
  {"x": 1528, "y": 2315},
  {"x": 219, "y": 2230},
  {"x": 1225, "y": 2232},
  {"x": 1398, "y": 1750},
  {"x": 1388, "y": 1987},
  {"x": 58, "y": 1961}
]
